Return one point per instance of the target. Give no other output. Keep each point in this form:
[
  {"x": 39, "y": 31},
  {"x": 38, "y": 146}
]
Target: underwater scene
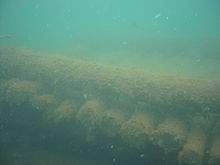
[{"x": 109, "y": 82}]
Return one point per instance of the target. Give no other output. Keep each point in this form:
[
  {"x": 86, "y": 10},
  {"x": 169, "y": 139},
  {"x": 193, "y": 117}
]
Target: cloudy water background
[{"x": 166, "y": 36}]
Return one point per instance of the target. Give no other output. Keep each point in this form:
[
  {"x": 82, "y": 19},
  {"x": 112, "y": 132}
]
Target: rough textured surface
[
  {"x": 113, "y": 109},
  {"x": 119, "y": 85}
]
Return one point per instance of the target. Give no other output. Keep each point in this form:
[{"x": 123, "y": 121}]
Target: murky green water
[
  {"x": 173, "y": 37},
  {"x": 109, "y": 82}
]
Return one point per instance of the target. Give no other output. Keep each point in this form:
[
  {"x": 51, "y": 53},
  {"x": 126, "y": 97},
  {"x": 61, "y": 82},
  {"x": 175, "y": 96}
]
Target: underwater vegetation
[{"x": 66, "y": 106}]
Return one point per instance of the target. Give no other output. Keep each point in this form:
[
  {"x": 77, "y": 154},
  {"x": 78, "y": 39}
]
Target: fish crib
[{"x": 66, "y": 105}]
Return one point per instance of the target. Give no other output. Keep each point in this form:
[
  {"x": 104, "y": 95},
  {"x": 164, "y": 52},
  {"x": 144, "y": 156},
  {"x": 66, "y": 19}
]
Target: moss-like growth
[
  {"x": 139, "y": 87},
  {"x": 112, "y": 121},
  {"x": 170, "y": 135},
  {"x": 118, "y": 91},
  {"x": 193, "y": 150},
  {"x": 215, "y": 151},
  {"x": 20, "y": 91},
  {"x": 91, "y": 115},
  {"x": 67, "y": 110},
  {"x": 137, "y": 130},
  {"x": 44, "y": 102}
]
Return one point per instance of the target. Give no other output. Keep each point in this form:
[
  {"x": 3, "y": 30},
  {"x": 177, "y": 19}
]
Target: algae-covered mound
[
  {"x": 194, "y": 148},
  {"x": 112, "y": 122},
  {"x": 137, "y": 129},
  {"x": 65, "y": 111},
  {"x": 128, "y": 89},
  {"x": 91, "y": 115},
  {"x": 113, "y": 111},
  {"x": 170, "y": 135},
  {"x": 15, "y": 91}
]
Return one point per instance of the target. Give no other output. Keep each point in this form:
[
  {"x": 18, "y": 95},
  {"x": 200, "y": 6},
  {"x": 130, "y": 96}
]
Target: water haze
[{"x": 174, "y": 37}]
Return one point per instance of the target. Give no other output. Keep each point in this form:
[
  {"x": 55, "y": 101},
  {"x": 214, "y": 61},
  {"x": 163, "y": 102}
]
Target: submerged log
[
  {"x": 115, "y": 102},
  {"x": 125, "y": 88}
]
